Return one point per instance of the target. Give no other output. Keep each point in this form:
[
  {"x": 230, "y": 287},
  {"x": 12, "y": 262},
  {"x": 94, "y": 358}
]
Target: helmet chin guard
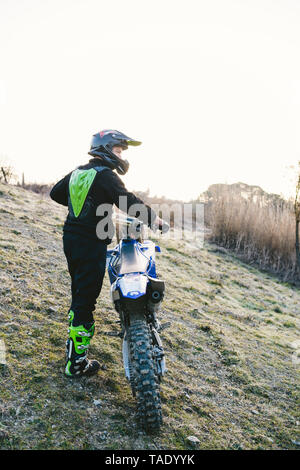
[{"x": 103, "y": 143}]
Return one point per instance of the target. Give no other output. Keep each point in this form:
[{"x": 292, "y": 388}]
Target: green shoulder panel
[{"x": 79, "y": 185}]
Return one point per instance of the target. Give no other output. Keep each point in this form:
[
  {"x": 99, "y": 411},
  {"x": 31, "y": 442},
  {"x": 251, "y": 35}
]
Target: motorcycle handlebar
[{"x": 137, "y": 224}]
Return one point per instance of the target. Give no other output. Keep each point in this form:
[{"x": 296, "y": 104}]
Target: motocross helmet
[{"x": 102, "y": 144}]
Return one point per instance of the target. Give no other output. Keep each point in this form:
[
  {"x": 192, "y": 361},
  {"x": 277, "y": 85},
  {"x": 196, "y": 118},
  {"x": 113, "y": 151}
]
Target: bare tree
[{"x": 7, "y": 173}]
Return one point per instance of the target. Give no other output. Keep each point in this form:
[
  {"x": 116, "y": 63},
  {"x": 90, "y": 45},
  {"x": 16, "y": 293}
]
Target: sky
[{"x": 211, "y": 88}]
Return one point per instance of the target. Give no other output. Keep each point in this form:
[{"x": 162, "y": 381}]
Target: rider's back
[{"x": 85, "y": 190}]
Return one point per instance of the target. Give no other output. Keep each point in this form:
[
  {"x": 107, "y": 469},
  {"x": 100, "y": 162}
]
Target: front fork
[{"x": 126, "y": 358}]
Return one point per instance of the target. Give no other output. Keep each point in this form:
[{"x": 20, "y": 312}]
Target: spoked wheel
[{"x": 146, "y": 384}]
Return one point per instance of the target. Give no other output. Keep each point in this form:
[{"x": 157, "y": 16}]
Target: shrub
[{"x": 263, "y": 232}]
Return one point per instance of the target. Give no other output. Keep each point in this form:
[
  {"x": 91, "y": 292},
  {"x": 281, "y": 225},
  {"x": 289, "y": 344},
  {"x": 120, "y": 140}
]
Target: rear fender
[{"x": 133, "y": 286}]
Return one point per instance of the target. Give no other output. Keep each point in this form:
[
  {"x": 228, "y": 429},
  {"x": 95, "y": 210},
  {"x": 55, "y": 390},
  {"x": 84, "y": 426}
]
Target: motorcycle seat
[{"x": 132, "y": 260}]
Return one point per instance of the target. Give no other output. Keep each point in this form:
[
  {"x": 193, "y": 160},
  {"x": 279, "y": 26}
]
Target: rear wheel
[{"x": 146, "y": 384}]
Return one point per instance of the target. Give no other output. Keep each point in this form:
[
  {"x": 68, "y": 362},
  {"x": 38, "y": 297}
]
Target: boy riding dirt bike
[{"x": 85, "y": 190}]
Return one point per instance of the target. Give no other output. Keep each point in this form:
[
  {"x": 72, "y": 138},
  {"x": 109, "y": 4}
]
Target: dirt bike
[{"x": 137, "y": 293}]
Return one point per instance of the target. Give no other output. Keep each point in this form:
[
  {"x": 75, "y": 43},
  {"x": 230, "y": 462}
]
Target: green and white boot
[{"x": 77, "y": 364}]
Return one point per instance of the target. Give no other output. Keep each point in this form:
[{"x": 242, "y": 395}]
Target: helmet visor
[{"x": 133, "y": 142}]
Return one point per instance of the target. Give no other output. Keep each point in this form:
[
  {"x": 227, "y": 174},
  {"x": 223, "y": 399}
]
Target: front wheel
[{"x": 145, "y": 378}]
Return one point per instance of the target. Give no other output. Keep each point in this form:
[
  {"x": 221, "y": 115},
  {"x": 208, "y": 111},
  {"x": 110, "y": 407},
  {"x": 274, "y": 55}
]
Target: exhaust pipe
[{"x": 156, "y": 296}]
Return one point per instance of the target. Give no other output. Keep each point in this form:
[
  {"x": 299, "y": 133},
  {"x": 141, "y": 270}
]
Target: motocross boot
[{"x": 77, "y": 364}]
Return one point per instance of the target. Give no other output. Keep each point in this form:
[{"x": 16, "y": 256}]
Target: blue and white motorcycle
[{"x": 137, "y": 293}]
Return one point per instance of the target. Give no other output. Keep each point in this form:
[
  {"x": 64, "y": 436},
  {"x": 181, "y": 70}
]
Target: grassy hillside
[{"x": 232, "y": 376}]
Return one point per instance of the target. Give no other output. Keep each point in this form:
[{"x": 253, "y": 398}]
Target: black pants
[{"x": 86, "y": 263}]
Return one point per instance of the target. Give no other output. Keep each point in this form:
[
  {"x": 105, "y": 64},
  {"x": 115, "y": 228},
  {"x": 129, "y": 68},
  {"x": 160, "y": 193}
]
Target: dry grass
[
  {"x": 37, "y": 188},
  {"x": 262, "y": 234}
]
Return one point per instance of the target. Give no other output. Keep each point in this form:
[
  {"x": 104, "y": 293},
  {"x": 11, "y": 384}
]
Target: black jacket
[{"x": 106, "y": 188}]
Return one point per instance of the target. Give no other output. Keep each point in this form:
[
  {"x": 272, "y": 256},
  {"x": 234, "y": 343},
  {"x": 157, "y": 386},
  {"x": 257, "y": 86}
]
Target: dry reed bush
[
  {"x": 37, "y": 188},
  {"x": 262, "y": 233}
]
